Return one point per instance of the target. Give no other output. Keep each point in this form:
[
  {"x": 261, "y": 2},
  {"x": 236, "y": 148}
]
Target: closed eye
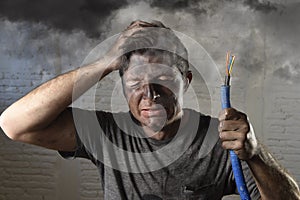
[
  {"x": 132, "y": 83},
  {"x": 165, "y": 78}
]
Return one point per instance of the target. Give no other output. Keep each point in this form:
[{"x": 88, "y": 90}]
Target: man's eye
[
  {"x": 133, "y": 83},
  {"x": 166, "y": 78}
]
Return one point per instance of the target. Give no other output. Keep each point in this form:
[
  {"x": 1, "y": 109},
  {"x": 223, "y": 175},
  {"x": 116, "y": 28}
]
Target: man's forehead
[
  {"x": 151, "y": 69},
  {"x": 140, "y": 59}
]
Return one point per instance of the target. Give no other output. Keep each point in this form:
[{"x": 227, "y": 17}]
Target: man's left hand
[{"x": 235, "y": 134}]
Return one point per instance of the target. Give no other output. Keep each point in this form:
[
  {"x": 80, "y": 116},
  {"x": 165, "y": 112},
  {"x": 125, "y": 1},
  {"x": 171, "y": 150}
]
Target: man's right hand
[{"x": 132, "y": 38}]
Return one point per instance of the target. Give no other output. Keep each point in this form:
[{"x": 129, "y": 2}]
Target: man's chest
[{"x": 186, "y": 178}]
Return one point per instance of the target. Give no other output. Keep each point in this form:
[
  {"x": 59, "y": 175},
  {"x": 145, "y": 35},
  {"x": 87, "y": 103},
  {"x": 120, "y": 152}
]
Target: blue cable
[{"x": 235, "y": 161}]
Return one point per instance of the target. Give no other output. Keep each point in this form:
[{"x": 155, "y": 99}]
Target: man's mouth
[{"x": 153, "y": 112}]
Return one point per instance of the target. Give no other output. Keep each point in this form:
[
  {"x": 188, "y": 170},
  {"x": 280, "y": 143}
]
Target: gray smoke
[
  {"x": 289, "y": 72},
  {"x": 91, "y": 15},
  {"x": 191, "y": 6},
  {"x": 245, "y": 27},
  {"x": 206, "y": 6},
  {"x": 261, "y": 5},
  {"x": 67, "y": 15}
]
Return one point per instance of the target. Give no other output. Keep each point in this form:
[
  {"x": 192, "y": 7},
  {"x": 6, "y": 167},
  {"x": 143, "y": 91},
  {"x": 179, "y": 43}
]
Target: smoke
[
  {"x": 261, "y": 5},
  {"x": 67, "y": 15},
  {"x": 35, "y": 47},
  {"x": 282, "y": 32},
  {"x": 210, "y": 6},
  {"x": 290, "y": 72},
  {"x": 191, "y": 6},
  {"x": 91, "y": 16},
  {"x": 246, "y": 27}
]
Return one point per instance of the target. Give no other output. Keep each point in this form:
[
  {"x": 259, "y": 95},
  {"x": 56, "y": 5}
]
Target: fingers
[
  {"x": 231, "y": 136},
  {"x": 233, "y": 140},
  {"x": 240, "y": 146},
  {"x": 233, "y": 130},
  {"x": 139, "y": 23},
  {"x": 130, "y": 32},
  {"x": 236, "y": 141},
  {"x": 233, "y": 145},
  {"x": 137, "y": 38},
  {"x": 139, "y": 27},
  {"x": 234, "y": 125},
  {"x": 124, "y": 39},
  {"x": 138, "y": 33},
  {"x": 141, "y": 34},
  {"x": 231, "y": 114},
  {"x": 235, "y": 133}
]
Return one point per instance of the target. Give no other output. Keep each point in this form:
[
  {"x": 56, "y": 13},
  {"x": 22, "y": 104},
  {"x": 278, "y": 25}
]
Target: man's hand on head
[
  {"x": 139, "y": 23},
  {"x": 236, "y": 134},
  {"x": 132, "y": 38}
]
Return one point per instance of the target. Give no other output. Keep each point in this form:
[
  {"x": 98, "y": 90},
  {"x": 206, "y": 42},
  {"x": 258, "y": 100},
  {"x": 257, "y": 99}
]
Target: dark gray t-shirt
[{"x": 191, "y": 165}]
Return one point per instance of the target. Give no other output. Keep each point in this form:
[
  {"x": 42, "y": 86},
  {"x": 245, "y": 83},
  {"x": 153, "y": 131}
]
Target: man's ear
[{"x": 188, "y": 80}]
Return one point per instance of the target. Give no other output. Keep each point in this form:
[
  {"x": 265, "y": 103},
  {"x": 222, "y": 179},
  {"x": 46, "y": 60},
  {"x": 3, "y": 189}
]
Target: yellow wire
[
  {"x": 227, "y": 63},
  {"x": 231, "y": 64}
]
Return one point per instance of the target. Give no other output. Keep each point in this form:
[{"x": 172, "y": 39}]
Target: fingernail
[{"x": 220, "y": 135}]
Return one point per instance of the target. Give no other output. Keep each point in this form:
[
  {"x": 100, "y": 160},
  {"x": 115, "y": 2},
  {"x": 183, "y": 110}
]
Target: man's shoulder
[
  {"x": 98, "y": 113},
  {"x": 204, "y": 118}
]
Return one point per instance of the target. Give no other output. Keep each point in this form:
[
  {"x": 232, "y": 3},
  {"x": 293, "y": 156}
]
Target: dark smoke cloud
[
  {"x": 206, "y": 6},
  {"x": 263, "y": 6},
  {"x": 66, "y": 15},
  {"x": 173, "y": 5},
  {"x": 90, "y": 16},
  {"x": 170, "y": 4}
]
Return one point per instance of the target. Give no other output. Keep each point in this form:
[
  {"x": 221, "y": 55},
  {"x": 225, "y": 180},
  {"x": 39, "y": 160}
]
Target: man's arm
[
  {"x": 272, "y": 180},
  {"x": 42, "y": 118}
]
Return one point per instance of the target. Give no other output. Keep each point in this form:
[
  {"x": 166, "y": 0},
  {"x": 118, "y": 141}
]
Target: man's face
[{"x": 154, "y": 90}]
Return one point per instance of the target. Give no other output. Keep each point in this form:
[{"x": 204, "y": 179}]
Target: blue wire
[{"x": 235, "y": 162}]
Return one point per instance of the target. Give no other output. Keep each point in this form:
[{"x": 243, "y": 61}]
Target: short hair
[{"x": 163, "y": 42}]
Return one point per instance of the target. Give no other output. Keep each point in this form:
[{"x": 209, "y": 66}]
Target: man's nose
[{"x": 149, "y": 91}]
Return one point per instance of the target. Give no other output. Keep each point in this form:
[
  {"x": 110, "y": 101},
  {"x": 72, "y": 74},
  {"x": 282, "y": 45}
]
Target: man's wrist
[{"x": 111, "y": 63}]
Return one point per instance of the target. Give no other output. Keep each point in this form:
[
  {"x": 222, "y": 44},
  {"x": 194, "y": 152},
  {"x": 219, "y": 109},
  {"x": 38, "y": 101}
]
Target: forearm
[
  {"x": 41, "y": 106},
  {"x": 272, "y": 180}
]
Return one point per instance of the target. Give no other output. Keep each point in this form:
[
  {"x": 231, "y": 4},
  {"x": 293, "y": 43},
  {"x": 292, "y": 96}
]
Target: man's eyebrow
[
  {"x": 134, "y": 77},
  {"x": 166, "y": 73}
]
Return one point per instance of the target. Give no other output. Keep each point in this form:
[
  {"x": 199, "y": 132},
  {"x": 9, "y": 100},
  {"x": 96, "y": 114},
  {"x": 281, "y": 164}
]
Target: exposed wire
[{"x": 229, "y": 64}]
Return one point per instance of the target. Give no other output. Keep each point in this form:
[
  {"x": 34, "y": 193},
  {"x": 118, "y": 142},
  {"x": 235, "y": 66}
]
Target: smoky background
[{"x": 42, "y": 39}]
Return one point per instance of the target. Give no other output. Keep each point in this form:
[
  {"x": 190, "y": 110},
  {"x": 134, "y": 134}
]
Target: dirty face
[{"x": 154, "y": 90}]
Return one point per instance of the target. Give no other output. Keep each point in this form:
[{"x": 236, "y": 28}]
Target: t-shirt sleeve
[
  {"x": 87, "y": 125},
  {"x": 80, "y": 151}
]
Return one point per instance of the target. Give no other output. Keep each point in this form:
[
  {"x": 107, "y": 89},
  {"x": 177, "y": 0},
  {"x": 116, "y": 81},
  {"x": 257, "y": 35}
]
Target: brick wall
[{"x": 281, "y": 123}]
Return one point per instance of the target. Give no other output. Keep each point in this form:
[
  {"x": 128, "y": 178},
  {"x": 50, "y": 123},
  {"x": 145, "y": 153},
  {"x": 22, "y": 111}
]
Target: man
[{"x": 155, "y": 151}]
